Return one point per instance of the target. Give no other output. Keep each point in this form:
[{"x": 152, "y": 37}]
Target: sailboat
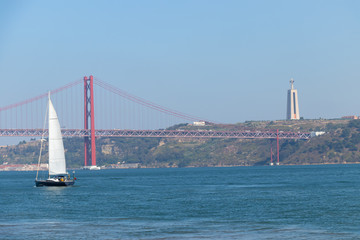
[{"x": 58, "y": 176}]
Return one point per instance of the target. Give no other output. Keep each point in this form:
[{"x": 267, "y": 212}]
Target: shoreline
[{"x": 33, "y": 167}]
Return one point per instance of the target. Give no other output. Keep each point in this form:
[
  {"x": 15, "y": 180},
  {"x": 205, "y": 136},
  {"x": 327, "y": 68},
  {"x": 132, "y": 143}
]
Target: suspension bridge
[{"x": 118, "y": 114}]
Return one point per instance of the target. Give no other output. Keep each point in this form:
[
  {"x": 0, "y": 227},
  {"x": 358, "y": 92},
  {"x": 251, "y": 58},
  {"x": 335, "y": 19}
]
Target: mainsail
[{"x": 57, "y": 164}]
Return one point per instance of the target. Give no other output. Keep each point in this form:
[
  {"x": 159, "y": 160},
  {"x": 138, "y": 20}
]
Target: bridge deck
[{"x": 160, "y": 133}]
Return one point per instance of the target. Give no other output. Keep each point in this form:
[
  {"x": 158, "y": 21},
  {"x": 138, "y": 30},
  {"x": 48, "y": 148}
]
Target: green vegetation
[{"x": 340, "y": 144}]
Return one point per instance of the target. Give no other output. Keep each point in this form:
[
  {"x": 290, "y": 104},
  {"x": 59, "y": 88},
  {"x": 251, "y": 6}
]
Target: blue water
[{"x": 285, "y": 202}]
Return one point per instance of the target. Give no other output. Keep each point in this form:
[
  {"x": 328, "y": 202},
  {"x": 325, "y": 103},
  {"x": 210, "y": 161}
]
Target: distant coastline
[
  {"x": 340, "y": 144},
  {"x": 33, "y": 167}
]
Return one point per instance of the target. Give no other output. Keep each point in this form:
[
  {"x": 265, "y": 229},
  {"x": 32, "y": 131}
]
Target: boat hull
[{"x": 50, "y": 183}]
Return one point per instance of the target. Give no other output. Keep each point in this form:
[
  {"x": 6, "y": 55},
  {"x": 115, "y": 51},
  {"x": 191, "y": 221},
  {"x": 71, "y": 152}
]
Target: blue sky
[{"x": 227, "y": 61}]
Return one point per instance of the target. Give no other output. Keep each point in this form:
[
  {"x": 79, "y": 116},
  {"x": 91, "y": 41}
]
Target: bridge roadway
[{"x": 160, "y": 133}]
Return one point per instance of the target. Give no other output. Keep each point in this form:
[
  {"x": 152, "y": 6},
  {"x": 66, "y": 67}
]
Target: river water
[{"x": 279, "y": 202}]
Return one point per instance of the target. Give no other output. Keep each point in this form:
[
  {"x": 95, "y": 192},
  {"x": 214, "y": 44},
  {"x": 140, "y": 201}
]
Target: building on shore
[
  {"x": 23, "y": 167},
  {"x": 199, "y": 123},
  {"x": 350, "y": 117}
]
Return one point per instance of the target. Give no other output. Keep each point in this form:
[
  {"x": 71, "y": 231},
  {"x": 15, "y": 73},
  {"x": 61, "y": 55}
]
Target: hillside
[{"x": 340, "y": 144}]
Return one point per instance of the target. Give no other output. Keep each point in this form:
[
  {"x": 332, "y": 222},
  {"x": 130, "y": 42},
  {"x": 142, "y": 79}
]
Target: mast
[
  {"x": 48, "y": 112},
  {"x": 42, "y": 140}
]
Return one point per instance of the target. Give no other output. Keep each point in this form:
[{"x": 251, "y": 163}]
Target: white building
[{"x": 200, "y": 123}]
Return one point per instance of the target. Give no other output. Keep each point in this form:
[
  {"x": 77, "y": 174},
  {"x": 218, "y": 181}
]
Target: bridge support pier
[
  {"x": 89, "y": 142},
  {"x": 278, "y": 147},
  {"x": 271, "y": 153}
]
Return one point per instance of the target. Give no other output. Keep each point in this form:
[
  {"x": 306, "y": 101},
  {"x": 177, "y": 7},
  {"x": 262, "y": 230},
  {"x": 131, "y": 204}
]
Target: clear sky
[{"x": 226, "y": 61}]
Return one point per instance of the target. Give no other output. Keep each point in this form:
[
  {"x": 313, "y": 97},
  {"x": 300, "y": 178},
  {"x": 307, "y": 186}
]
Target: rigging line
[
  {"x": 41, "y": 141},
  {"x": 67, "y": 105},
  {"x": 72, "y": 108},
  {"x": 31, "y": 114}
]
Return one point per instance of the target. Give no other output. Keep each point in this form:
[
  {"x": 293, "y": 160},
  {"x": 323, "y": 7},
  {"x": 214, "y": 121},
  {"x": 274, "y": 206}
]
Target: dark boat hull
[{"x": 50, "y": 183}]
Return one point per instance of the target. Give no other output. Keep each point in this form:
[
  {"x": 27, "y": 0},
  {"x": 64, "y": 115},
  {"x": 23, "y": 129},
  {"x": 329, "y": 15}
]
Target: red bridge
[
  {"x": 158, "y": 133},
  {"x": 117, "y": 113}
]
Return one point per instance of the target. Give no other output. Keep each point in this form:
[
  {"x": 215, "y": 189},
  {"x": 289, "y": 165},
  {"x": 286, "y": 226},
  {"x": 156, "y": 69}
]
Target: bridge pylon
[
  {"x": 89, "y": 142},
  {"x": 277, "y": 149}
]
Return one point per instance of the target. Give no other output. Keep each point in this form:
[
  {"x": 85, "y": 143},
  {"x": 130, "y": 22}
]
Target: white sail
[{"x": 57, "y": 163}]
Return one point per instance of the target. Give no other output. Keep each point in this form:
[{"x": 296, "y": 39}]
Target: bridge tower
[
  {"x": 277, "y": 149},
  {"x": 89, "y": 142}
]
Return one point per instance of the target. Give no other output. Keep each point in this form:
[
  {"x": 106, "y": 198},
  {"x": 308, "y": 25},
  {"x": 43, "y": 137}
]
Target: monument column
[{"x": 292, "y": 103}]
